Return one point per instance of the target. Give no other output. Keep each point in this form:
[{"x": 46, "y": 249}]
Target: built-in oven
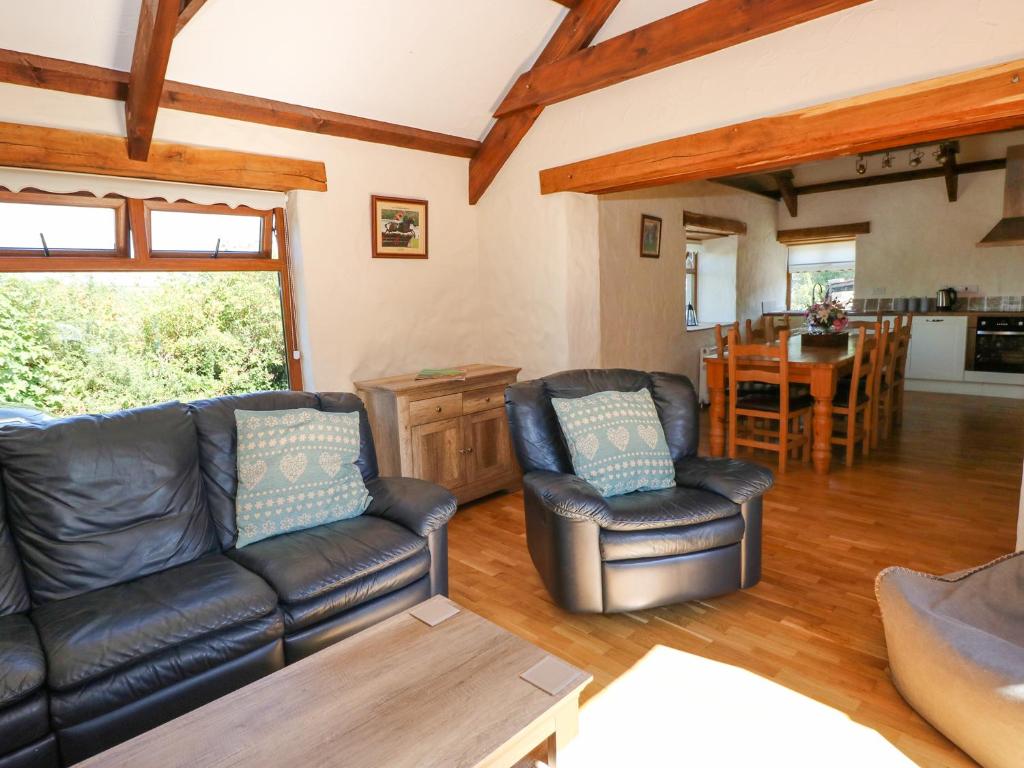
[{"x": 999, "y": 344}]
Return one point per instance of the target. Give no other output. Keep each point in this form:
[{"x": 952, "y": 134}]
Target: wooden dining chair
[
  {"x": 722, "y": 336},
  {"x": 855, "y": 396},
  {"x": 880, "y": 330},
  {"x": 893, "y": 368},
  {"x": 791, "y": 416},
  {"x": 900, "y": 377},
  {"x": 756, "y": 334}
]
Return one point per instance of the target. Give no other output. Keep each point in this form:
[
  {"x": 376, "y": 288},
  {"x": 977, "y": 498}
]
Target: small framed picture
[
  {"x": 650, "y": 236},
  {"x": 399, "y": 228}
]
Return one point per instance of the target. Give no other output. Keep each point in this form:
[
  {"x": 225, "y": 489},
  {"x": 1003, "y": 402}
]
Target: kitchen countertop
[{"x": 932, "y": 313}]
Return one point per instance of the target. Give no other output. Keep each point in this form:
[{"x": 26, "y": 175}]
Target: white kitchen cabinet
[{"x": 938, "y": 347}]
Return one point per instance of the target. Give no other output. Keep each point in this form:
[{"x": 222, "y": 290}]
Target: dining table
[{"x": 820, "y": 367}]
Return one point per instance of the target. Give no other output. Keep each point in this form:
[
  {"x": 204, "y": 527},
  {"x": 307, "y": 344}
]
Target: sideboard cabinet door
[{"x": 438, "y": 451}]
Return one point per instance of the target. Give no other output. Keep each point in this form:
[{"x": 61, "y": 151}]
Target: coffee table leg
[{"x": 567, "y": 725}]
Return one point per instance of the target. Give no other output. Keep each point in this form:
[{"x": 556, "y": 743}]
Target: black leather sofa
[
  {"x": 699, "y": 539},
  {"x": 123, "y": 602}
]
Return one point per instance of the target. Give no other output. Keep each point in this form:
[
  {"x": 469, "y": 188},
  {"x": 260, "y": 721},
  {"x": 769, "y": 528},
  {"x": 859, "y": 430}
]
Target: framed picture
[
  {"x": 650, "y": 236},
  {"x": 399, "y": 228}
]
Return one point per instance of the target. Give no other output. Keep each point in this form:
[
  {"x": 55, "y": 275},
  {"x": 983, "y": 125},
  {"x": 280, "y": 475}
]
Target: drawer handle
[
  {"x": 465, "y": 450},
  {"x": 438, "y": 409}
]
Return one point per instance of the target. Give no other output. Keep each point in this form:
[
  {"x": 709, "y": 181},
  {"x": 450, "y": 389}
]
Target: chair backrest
[
  {"x": 722, "y": 337},
  {"x": 756, "y": 334},
  {"x": 865, "y": 363},
  {"x": 763, "y": 363},
  {"x": 537, "y": 436},
  {"x": 774, "y": 325},
  {"x": 902, "y": 344}
]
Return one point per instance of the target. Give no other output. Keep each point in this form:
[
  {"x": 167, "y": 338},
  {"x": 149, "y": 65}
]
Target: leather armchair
[{"x": 700, "y": 539}]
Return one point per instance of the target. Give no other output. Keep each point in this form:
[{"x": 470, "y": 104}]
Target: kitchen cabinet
[
  {"x": 938, "y": 348},
  {"x": 453, "y": 433}
]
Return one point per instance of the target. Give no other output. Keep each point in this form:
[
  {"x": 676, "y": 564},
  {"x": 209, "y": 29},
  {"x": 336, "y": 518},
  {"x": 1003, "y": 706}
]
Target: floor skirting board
[{"x": 982, "y": 389}]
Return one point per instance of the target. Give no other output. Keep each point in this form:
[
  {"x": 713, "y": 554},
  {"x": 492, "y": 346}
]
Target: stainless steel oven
[{"x": 999, "y": 344}]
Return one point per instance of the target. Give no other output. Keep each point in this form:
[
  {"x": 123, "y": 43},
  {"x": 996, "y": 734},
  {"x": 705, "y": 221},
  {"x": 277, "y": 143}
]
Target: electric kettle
[{"x": 945, "y": 299}]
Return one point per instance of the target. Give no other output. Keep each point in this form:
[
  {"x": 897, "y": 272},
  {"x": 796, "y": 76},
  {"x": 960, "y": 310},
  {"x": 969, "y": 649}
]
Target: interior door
[
  {"x": 488, "y": 450},
  {"x": 438, "y": 453}
]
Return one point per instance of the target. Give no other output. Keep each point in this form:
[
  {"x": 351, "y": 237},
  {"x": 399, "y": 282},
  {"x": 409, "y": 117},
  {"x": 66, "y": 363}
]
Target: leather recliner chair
[{"x": 699, "y": 539}]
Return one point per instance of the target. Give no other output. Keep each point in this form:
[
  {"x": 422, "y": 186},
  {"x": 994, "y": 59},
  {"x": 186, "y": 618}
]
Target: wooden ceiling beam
[
  {"x": 55, "y": 149},
  {"x": 949, "y": 170},
  {"x": 570, "y": 3},
  {"x": 977, "y": 101},
  {"x": 157, "y": 22},
  {"x": 186, "y": 12},
  {"x": 978, "y": 166},
  {"x": 789, "y": 194},
  {"x": 83, "y": 79},
  {"x": 575, "y": 32},
  {"x": 697, "y": 31},
  {"x": 829, "y": 234}
]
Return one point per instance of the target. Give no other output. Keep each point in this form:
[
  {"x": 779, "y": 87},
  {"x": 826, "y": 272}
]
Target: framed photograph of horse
[{"x": 399, "y": 228}]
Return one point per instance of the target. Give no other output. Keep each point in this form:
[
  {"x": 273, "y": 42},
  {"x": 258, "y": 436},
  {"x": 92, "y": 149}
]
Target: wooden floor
[{"x": 941, "y": 495}]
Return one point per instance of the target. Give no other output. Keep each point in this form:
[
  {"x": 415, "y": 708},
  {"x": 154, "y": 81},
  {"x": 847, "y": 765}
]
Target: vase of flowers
[{"x": 826, "y": 323}]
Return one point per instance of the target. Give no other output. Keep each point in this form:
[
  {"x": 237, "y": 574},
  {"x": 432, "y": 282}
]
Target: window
[
  {"x": 690, "y": 297},
  {"x": 819, "y": 268},
  {"x": 36, "y": 224},
  {"x": 133, "y": 302}
]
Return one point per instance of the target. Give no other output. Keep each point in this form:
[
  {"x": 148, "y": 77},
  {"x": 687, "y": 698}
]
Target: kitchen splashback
[{"x": 965, "y": 304}]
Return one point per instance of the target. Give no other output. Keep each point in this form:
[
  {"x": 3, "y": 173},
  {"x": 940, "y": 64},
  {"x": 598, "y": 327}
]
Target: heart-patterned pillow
[
  {"x": 589, "y": 444},
  {"x": 619, "y": 437},
  {"x": 251, "y": 472},
  {"x": 648, "y": 433},
  {"x": 330, "y": 462}
]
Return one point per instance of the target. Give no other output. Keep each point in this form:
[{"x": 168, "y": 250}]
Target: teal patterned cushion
[
  {"x": 296, "y": 469},
  {"x": 616, "y": 441}
]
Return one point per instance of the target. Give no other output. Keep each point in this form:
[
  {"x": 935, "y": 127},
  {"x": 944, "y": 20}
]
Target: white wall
[
  {"x": 359, "y": 317},
  {"x": 920, "y": 241},
  {"x": 642, "y": 312}
]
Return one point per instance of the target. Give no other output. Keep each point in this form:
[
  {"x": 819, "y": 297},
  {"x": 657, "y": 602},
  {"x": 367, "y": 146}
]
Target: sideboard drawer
[
  {"x": 435, "y": 409},
  {"x": 483, "y": 399}
]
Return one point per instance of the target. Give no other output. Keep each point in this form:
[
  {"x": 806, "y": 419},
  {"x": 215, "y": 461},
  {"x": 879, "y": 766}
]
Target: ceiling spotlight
[
  {"x": 916, "y": 156},
  {"x": 887, "y": 160},
  {"x": 862, "y": 167}
]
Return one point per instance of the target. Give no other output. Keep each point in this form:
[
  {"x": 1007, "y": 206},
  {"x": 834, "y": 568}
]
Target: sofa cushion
[
  {"x": 296, "y": 470},
  {"x": 98, "y": 500},
  {"x": 97, "y": 633},
  {"x": 13, "y": 592},
  {"x": 668, "y": 508},
  {"x": 322, "y": 571},
  {"x": 616, "y": 441},
  {"x": 22, "y": 666},
  {"x": 23, "y": 711},
  {"x": 215, "y": 426},
  {"x": 668, "y": 542}
]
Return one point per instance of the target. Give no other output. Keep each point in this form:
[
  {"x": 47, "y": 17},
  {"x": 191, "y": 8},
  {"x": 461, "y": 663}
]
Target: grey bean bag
[{"x": 956, "y": 653}]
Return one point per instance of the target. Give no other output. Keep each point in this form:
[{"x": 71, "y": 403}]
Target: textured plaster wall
[
  {"x": 920, "y": 241},
  {"x": 359, "y": 317},
  {"x": 642, "y": 310}
]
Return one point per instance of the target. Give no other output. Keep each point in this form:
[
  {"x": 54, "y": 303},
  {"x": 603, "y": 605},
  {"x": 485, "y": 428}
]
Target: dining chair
[
  {"x": 855, "y": 397},
  {"x": 880, "y": 330},
  {"x": 722, "y": 336},
  {"x": 766, "y": 364},
  {"x": 894, "y": 363},
  {"x": 756, "y": 334},
  {"x": 900, "y": 377}
]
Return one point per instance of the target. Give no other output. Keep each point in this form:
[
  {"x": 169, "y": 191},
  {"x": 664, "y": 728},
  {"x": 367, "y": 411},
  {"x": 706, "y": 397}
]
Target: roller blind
[
  {"x": 17, "y": 179},
  {"x": 818, "y": 256}
]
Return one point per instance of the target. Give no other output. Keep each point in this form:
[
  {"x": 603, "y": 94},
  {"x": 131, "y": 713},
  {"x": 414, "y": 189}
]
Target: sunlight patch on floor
[{"x": 673, "y": 708}]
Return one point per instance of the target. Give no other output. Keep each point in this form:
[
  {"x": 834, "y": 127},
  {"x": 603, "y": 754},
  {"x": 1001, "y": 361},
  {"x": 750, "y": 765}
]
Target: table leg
[
  {"x": 823, "y": 389},
  {"x": 566, "y": 728},
  {"x": 716, "y": 392}
]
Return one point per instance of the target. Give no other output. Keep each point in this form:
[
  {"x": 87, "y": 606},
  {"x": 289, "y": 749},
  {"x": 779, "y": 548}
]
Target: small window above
[
  {"x": 61, "y": 225},
  {"x": 201, "y": 232}
]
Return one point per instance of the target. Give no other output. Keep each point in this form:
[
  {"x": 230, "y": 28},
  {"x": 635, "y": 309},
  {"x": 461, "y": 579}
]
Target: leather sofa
[
  {"x": 700, "y": 539},
  {"x": 123, "y": 601}
]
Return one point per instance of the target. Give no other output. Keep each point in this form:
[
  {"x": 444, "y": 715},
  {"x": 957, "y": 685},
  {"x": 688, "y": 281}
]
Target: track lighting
[
  {"x": 916, "y": 156},
  {"x": 887, "y": 160},
  {"x": 861, "y": 166}
]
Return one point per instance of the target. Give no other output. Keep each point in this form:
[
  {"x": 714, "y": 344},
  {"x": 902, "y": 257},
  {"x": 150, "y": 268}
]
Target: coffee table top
[{"x": 400, "y": 693}]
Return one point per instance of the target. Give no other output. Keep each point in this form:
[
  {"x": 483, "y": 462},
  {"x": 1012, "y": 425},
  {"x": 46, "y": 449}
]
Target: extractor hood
[{"x": 1010, "y": 229}]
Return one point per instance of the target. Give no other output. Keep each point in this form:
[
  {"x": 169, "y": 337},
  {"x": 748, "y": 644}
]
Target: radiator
[{"x": 702, "y": 374}]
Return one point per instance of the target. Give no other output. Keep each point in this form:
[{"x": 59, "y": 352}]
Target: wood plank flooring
[{"x": 939, "y": 496}]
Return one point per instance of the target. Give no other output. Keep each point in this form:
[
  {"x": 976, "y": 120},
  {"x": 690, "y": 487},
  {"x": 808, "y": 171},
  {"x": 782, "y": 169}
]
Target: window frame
[
  {"x": 134, "y": 254},
  {"x": 694, "y": 271},
  {"x": 789, "y": 272},
  {"x": 266, "y": 229},
  {"x": 78, "y": 200}
]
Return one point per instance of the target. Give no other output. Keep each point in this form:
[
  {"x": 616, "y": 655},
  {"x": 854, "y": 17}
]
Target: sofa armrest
[
  {"x": 568, "y": 496},
  {"x": 738, "y": 481},
  {"x": 420, "y": 506}
]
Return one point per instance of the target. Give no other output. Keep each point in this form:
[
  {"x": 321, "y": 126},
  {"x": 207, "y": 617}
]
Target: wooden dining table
[{"x": 819, "y": 367}]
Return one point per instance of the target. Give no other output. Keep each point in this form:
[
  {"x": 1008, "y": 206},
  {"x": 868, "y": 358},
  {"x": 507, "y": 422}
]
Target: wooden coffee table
[{"x": 400, "y": 693}]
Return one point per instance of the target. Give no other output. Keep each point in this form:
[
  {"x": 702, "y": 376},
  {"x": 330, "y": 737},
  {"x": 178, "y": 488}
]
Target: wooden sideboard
[{"x": 453, "y": 433}]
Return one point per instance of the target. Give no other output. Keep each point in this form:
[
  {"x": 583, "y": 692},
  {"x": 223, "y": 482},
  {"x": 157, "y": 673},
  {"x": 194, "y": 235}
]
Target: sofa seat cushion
[
  {"x": 668, "y": 508},
  {"x": 324, "y": 570},
  {"x": 101, "y": 632},
  {"x": 668, "y": 542},
  {"x": 23, "y": 713}
]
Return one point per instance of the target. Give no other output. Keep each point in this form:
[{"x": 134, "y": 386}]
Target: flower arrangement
[{"x": 827, "y": 316}]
